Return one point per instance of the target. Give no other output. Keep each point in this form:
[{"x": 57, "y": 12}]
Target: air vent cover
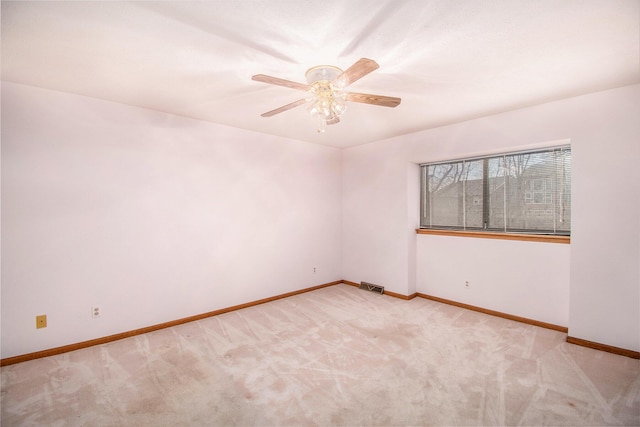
[{"x": 372, "y": 288}]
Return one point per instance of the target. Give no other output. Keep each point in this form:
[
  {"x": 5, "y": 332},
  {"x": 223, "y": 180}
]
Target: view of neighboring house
[{"x": 517, "y": 192}]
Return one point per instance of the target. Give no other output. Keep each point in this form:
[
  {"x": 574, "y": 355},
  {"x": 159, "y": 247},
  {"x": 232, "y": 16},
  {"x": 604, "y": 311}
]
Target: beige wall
[
  {"x": 151, "y": 217},
  {"x": 591, "y": 286}
]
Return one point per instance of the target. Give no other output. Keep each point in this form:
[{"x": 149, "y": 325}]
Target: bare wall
[
  {"x": 592, "y": 286},
  {"x": 151, "y": 217}
]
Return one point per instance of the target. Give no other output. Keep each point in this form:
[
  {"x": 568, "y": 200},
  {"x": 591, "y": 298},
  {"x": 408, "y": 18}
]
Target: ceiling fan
[{"x": 325, "y": 89}]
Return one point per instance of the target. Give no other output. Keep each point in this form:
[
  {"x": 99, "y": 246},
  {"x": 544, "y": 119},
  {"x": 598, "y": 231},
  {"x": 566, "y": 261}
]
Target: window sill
[{"x": 501, "y": 236}]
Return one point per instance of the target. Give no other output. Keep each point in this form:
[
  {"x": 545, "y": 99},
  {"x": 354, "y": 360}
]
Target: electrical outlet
[
  {"x": 314, "y": 270},
  {"x": 41, "y": 321},
  {"x": 95, "y": 312},
  {"x": 466, "y": 283}
]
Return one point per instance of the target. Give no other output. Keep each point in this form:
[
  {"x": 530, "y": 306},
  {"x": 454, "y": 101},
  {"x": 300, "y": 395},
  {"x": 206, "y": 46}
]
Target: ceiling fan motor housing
[{"x": 322, "y": 72}]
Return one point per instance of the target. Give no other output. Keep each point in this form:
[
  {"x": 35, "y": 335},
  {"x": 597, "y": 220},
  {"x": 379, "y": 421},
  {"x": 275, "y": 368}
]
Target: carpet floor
[{"x": 337, "y": 356}]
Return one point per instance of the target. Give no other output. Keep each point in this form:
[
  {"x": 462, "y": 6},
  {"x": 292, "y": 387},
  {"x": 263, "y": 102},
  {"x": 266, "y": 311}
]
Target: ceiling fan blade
[
  {"x": 284, "y": 108},
  {"x": 385, "y": 101},
  {"x": 279, "y": 82},
  {"x": 358, "y": 70},
  {"x": 333, "y": 121}
]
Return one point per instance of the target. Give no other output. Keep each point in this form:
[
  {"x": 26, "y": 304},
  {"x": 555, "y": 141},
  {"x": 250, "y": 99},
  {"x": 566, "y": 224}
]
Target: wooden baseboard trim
[
  {"x": 578, "y": 341},
  {"x": 604, "y": 347},
  {"x": 115, "y": 337},
  {"x": 347, "y": 282},
  {"x": 474, "y": 308},
  {"x": 497, "y": 313},
  {"x": 404, "y": 297},
  {"x": 77, "y": 346}
]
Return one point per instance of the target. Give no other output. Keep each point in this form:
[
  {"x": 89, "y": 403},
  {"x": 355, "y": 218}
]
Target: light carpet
[{"x": 334, "y": 356}]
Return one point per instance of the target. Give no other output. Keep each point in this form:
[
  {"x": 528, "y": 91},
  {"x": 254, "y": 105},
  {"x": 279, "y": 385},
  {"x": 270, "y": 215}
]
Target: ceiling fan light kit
[
  {"x": 325, "y": 90},
  {"x": 326, "y": 97}
]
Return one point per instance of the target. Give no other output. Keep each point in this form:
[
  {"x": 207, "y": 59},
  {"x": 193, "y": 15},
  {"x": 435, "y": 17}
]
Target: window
[
  {"x": 540, "y": 191},
  {"x": 526, "y": 192}
]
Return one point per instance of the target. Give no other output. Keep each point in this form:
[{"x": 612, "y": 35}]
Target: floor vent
[{"x": 371, "y": 287}]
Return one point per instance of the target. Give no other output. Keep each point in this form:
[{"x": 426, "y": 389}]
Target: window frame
[{"x": 486, "y": 194}]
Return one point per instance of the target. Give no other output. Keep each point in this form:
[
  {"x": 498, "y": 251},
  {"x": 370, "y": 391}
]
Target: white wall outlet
[
  {"x": 466, "y": 283},
  {"x": 315, "y": 270},
  {"x": 95, "y": 312}
]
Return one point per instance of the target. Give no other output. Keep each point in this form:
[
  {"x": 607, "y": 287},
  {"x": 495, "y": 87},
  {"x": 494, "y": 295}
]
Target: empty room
[{"x": 337, "y": 213}]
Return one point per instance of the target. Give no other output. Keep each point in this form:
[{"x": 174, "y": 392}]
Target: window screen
[{"x": 525, "y": 192}]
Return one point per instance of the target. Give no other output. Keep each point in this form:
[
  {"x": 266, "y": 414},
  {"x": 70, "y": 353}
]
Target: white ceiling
[{"x": 449, "y": 60}]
